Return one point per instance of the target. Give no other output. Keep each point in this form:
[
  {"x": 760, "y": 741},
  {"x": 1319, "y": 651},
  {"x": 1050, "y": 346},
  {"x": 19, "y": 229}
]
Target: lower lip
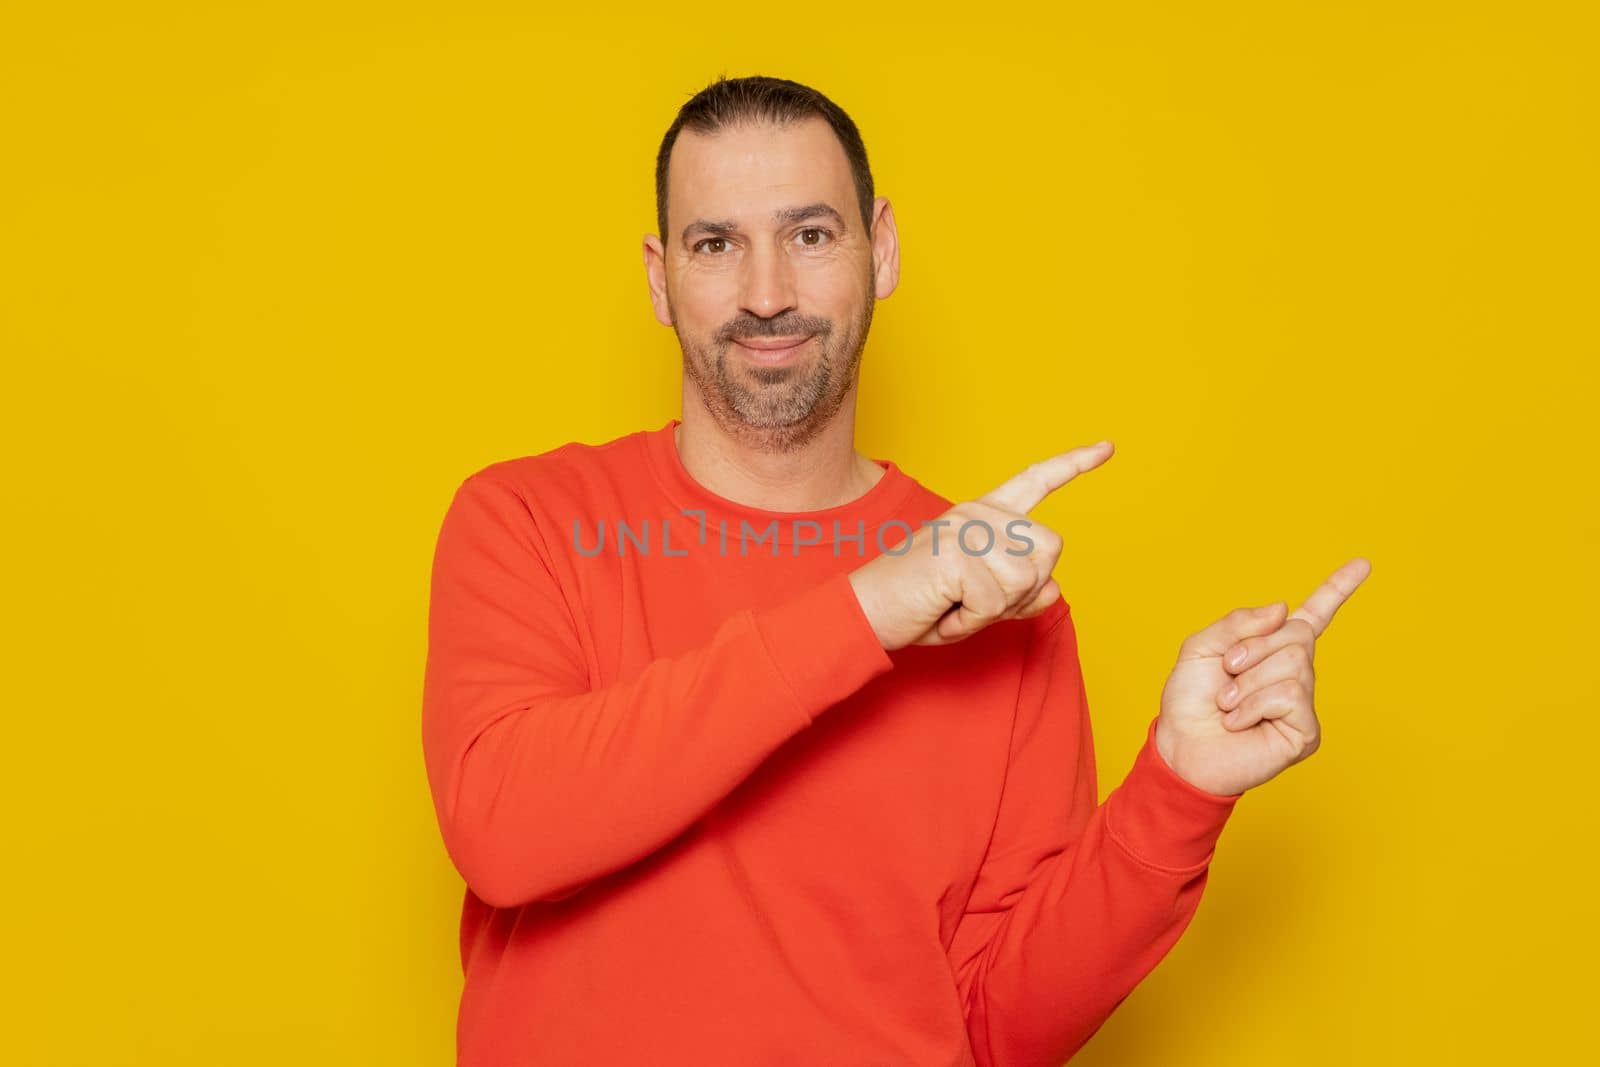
[{"x": 772, "y": 355}]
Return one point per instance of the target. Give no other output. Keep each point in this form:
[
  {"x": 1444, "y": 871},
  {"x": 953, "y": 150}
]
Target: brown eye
[
  {"x": 709, "y": 240},
  {"x": 816, "y": 230}
]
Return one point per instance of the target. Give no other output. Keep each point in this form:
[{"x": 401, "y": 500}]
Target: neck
[{"x": 826, "y": 471}]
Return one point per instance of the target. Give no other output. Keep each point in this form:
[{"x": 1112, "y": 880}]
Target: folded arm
[
  {"x": 543, "y": 783},
  {"x": 1076, "y": 901}
]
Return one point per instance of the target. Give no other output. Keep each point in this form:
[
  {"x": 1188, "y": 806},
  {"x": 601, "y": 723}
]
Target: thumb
[{"x": 1234, "y": 627}]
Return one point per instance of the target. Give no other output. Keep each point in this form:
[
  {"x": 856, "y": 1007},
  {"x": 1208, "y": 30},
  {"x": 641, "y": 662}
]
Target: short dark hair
[{"x": 731, "y": 101}]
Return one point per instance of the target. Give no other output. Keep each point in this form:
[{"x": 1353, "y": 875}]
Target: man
[{"x": 753, "y": 750}]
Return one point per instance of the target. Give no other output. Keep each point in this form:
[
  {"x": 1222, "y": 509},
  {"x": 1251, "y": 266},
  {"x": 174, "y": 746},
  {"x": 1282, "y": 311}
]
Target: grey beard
[{"x": 787, "y": 407}]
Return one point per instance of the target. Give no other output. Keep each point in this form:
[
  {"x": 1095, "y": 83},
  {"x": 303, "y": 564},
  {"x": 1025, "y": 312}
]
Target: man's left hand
[{"x": 1237, "y": 709}]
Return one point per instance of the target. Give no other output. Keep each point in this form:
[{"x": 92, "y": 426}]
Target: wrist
[
  {"x": 866, "y": 591},
  {"x": 1161, "y": 818},
  {"x": 1165, "y": 745}
]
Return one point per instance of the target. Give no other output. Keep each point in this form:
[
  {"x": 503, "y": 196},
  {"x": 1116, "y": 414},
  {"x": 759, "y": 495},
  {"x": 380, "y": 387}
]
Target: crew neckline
[{"x": 871, "y": 507}]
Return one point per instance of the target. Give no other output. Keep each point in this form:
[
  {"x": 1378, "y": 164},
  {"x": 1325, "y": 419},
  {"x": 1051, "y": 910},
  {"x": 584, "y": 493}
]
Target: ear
[
  {"x": 655, "y": 272},
  {"x": 885, "y": 248}
]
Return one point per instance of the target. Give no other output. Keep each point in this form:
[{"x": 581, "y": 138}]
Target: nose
[{"x": 767, "y": 286}]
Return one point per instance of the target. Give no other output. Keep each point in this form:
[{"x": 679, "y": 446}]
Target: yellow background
[{"x": 274, "y": 278}]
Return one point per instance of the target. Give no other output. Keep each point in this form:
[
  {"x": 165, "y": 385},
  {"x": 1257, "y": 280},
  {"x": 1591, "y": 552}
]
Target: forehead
[{"x": 745, "y": 172}]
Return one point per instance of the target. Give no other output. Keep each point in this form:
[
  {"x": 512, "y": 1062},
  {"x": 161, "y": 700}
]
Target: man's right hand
[{"x": 919, "y": 596}]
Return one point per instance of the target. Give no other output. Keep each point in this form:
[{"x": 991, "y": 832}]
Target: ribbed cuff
[
  {"x": 822, "y": 644},
  {"x": 1161, "y": 819}
]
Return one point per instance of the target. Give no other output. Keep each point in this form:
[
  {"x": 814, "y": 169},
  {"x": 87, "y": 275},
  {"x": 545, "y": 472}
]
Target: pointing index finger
[
  {"x": 1319, "y": 607},
  {"x": 1023, "y": 492}
]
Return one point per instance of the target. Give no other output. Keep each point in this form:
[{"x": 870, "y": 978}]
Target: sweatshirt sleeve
[
  {"x": 1075, "y": 901},
  {"x": 543, "y": 783}
]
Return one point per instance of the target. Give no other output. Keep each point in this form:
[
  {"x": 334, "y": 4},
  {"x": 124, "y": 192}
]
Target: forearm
[
  {"x": 1093, "y": 921},
  {"x": 540, "y": 793}
]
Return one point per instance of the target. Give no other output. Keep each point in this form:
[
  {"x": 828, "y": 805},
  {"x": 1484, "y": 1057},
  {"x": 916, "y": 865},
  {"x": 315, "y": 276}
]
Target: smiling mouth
[
  {"x": 772, "y": 349},
  {"x": 773, "y": 343}
]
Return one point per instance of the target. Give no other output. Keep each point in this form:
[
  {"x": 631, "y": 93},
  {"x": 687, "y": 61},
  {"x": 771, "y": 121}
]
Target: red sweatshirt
[{"x": 705, "y": 818}]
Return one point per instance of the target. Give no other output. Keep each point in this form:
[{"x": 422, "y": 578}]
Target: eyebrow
[{"x": 783, "y": 216}]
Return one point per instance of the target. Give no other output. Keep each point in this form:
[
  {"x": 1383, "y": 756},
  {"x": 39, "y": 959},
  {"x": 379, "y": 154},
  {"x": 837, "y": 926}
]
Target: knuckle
[{"x": 1019, "y": 581}]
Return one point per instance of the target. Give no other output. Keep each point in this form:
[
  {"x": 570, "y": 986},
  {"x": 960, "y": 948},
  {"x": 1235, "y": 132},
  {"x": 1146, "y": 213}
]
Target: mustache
[{"x": 743, "y": 329}]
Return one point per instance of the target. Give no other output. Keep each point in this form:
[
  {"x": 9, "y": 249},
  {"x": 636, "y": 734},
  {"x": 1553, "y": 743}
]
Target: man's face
[{"x": 768, "y": 277}]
